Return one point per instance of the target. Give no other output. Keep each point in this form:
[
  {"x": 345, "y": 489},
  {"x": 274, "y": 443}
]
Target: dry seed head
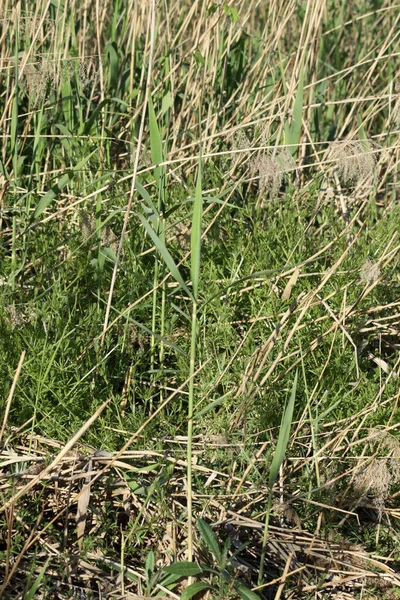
[
  {"x": 18, "y": 316},
  {"x": 377, "y": 476},
  {"x": 354, "y": 159},
  {"x": 27, "y": 24},
  {"x": 240, "y": 140},
  {"x": 43, "y": 74},
  {"x": 30, "y": 23},
  {"x": 370, "y": 272},
  {"x": 374, "y": 479},
  {"x": 271, "y": 169},
  {"x": 35, "y": 81}
]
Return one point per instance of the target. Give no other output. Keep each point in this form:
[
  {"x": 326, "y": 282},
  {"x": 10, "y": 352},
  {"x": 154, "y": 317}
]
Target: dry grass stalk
[
  {"x": 396, "y": 109},
  {"x": 294, "y": 554}
]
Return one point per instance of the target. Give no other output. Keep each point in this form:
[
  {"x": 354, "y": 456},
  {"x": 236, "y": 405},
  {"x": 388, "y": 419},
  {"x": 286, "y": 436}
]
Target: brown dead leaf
[
  {"x": 290, "y": 284},
  {"x": 83, "y": 503}
]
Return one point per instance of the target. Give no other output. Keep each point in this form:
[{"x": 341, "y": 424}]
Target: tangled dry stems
[{"x": 114, "y": 497}]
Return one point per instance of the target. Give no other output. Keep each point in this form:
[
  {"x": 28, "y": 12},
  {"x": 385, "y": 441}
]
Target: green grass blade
[
  {"x": 212, "y": 405},
  {"x": 194, "y": 589},
  {"x": 169, "y": 261},
  {"x": 283, "y": 436},
  {"x": 61, "y": 183},
  {"x": 196, "y": 234},
  {"x": 30, "y": 595},
  {"x": 113, "y": 73},
  {"x": 293, "y": 131},
  {"x": 210, "y": 540},
  {"x": 155, "y": 145},
  {"x": 150, "y": 209},
  {"x": 245, "y": 593},
  {"x": 150, "y": 564},
  {"x": 184, "y": 568}
]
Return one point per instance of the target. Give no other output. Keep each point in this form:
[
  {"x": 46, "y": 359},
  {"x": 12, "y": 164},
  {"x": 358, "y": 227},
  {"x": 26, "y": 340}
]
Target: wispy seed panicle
[
  {"x": 370, "y": 272},
  {"x": 271, "y": 170},
  {"x": 44, "y": 74},
  {"x": 354, "y": 160}
]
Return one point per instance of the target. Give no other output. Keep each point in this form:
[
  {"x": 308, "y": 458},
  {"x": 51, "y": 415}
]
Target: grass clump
[{"x": 199, "y": 300}]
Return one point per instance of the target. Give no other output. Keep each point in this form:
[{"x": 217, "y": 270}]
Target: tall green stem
[{"x": 190, "y": 429}]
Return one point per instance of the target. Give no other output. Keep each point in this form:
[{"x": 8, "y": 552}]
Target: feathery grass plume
[
  {"x": 41, "y": 75},
  {"x": 30, "y": 22},
  {"x": 240, "y": 140},
  {"x": 354, "y": 160},
  {"x": 271, "y": 170},
  {"x": 27, "y": 24},
  {"x": 376, "y": 478},
  {"x": 38, "y": 77},
  {"x": 87, "y": 69},
  {"x": 370, "y": 272},
  {"x": 108, "y": 239},
  {"x": 17, "y": 317}
]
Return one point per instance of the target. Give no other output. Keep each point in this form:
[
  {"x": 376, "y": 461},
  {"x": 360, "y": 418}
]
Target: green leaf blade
[
  {"x": 155, "y": 145},
  {"x": 169, "y": 261},
  {"x": 210, "y": 540},
  {"x": 196, "y": 235},
  {"x": 245, "y": 593},
  {"x": 193, "y": 589},
  {"x": 283, "y": 437},
  {"x": 183, "y": 569}
]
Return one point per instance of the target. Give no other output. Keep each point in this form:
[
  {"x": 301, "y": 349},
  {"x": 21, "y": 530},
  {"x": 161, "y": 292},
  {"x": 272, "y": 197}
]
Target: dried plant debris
[
  {"x": 355, "y": 160},
  {"x": 97, "y": 500},
  {"x": 271, "y": 170}
]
